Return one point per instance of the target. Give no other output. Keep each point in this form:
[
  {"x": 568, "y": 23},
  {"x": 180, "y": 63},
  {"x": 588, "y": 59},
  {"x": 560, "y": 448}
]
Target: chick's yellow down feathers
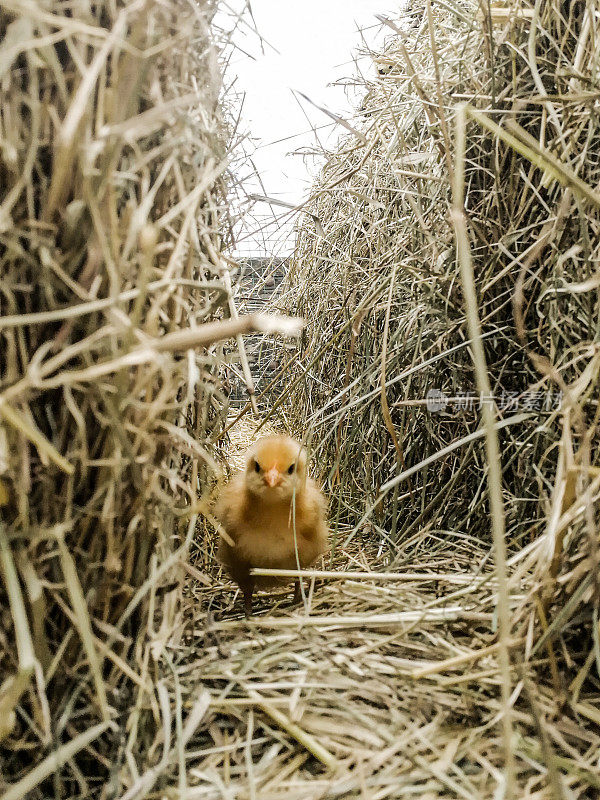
[{"x": 274, "y": 513}]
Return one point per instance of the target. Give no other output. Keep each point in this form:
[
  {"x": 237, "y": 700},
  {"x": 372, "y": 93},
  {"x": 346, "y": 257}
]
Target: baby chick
[{"x": 275, "y": 515}]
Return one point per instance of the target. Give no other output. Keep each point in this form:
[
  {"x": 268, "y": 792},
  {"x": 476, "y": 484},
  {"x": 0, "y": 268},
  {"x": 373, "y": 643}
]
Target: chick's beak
[{"x": 272, "y": 477}]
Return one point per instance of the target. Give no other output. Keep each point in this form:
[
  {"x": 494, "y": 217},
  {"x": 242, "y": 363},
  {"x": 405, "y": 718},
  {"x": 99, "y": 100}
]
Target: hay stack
[
  {"x": 381, "y": 286},
  {"x": 112, "y": 188}
]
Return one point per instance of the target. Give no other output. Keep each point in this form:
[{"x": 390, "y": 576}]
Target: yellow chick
[{"x": 275, "y": 515}]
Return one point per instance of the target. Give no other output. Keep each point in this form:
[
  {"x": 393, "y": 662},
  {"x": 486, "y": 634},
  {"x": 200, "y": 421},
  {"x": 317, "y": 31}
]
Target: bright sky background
[{"x": 306, "y": 46}]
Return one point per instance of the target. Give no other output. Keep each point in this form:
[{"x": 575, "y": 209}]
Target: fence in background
[{"x": 258, "y": 285}]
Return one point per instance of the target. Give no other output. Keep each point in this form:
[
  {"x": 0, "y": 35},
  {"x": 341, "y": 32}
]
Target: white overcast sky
[{"x": 306, "y": 46}]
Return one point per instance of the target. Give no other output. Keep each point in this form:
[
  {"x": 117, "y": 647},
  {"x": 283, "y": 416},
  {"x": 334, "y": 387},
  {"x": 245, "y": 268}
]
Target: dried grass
[
  {"x": 113, "y": 293},
  {"x": 384, "y": 685},
  {"x": 393, "y": 681}
]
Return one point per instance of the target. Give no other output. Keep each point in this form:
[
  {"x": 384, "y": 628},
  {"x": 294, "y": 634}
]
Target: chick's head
[{"x": 276, "y": 468}]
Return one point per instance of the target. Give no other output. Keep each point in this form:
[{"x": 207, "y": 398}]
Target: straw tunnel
[{"x": 432, "y": 341}]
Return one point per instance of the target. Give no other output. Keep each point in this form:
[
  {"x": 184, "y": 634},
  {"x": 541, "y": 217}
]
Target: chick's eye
[
  {"x": 256, "y": 466},
  {"x": 291, "y": 469}
]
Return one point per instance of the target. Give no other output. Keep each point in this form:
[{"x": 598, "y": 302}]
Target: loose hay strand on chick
[{"x": 274, "y": 513}]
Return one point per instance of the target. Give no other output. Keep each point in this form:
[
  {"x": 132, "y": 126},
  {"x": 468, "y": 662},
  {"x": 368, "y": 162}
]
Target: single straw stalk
[{"x": 494, "y": 469}]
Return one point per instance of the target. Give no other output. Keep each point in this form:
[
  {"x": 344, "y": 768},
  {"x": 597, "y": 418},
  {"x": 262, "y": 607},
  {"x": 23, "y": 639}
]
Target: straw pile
[
  {"x": 113, "y": 155},
  {"x": 387, "y": 307},
  {"x": 386, "y": 686}
]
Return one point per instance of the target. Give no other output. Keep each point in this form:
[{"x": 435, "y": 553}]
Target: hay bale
[
  {"x": 113, "y": 181},
  {"x": 387, "y": 337}
]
